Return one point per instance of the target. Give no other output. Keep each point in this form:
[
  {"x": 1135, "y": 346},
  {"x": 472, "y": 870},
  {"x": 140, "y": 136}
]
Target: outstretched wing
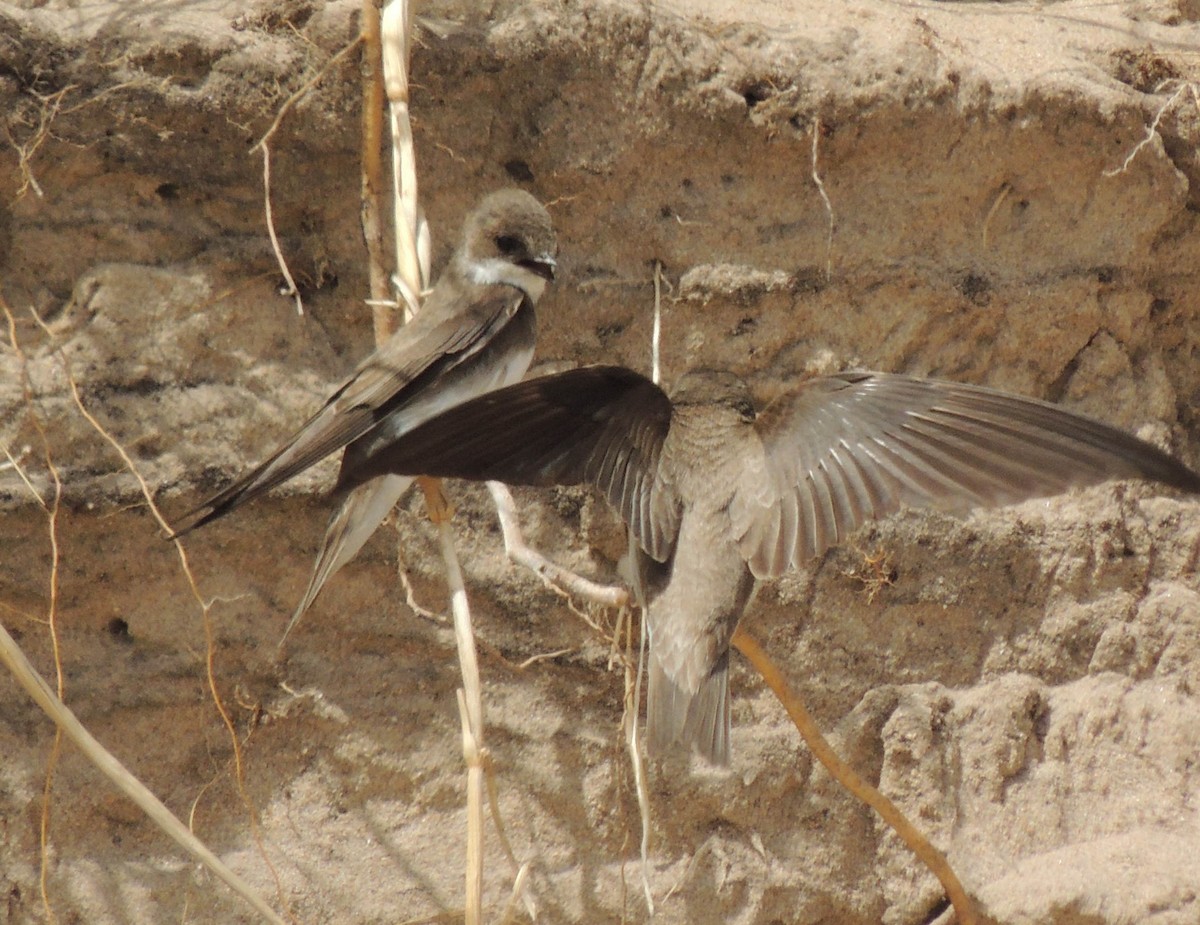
[
  {"x": 844, "y": 449},
  {"x": 603, "y": 425}
]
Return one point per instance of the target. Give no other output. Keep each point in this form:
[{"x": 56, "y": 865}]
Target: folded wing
[{"x": 413, "y": 360}]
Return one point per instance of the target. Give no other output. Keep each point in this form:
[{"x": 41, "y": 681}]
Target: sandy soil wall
[{"x": 1012, "y": 199}]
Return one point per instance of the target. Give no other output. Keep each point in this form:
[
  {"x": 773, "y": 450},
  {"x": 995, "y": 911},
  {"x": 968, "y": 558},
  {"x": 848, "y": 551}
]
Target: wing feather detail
[
  {"x": 599, "y": 425},
  {"x": 845, "y": 449}
]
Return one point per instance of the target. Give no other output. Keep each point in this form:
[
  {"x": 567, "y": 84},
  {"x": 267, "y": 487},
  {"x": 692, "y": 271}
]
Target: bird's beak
[{"x": 543, "y": 266}]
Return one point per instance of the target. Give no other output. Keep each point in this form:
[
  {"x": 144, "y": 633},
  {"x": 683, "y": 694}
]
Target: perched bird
[
  {"x": 718, "y": 495},
  {"x": 475, "y": 332}
]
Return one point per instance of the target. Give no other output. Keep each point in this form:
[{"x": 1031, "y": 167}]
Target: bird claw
[{"x": 436, "y": 503}]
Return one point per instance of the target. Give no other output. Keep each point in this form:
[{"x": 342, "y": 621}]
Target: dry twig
[
  {"x": 65, "y": 721},
  {"x": 846, "y": 776},
  {"x": 1005, "y": 190},
  {"x": 412, "y": 272},
  {"x": 816, "y": 178},
  {"x": 372, "y": 171},
  {"x": 412, "y": 233},
  {"x": 51, "y": 106},
  {"x": 14, "y": 654},
  {"x": 209, "y": 639},
  {"x": 1152, "y": 128},
  {"x": 291, "y": 291},
  {"x": 33, "y": 683}
]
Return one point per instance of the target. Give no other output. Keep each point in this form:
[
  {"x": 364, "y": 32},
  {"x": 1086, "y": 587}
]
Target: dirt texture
[{"x": 1013, "y": 199}]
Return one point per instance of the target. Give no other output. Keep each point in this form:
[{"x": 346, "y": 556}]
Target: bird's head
[{"x": 509, "y": 239}]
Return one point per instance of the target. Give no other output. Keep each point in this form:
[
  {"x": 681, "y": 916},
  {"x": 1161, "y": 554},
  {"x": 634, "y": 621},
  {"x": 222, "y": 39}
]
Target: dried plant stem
[
  {"x": 406, "y": 235},
  {"x": 1005, "y": 190},
  {"x": 51, "y": 508},
  {"x": 820, "y": 184},
  {"x": 1152, "y": 128},
  {"x": 518, "y": 892},
  {"x": 470, "y": 709},
  {"x": 412, "y": 266},
  {"x": 206, "y": 619},
  {"x": 304, "y": 89},
  {"x": 372, "y": 172},
  {"x": 846, "y": 776},
  {"x": 37, "y": 688},
  {"x": 633, "y": 682},
  {"x": 209, "y": 634},
  {"x": 629, "y": 717},
  {"x": 656, "y": 330},
  {"x": 412, "y": 271},
  {"x": 291, "y": 291},
  {"x": 56, "y": 746},
  {"x": 65, "y": 721},
  {"x": 494, "y": 805},
  {"x": 473, "y": 911}
]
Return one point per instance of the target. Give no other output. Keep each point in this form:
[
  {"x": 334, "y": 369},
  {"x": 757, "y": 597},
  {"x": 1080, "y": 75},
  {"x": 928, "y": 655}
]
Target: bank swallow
[
  {"x": 718, "y": 494},
  {"x": 475, "y": 332}
]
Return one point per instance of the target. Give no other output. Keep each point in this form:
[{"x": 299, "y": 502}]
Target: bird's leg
[
  {"x": 555, "y": 576},
  {"x": 437, "y": 504}
]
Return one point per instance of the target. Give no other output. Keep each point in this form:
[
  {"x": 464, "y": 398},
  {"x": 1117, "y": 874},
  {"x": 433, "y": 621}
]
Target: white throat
[{"x": 492, "y": 271}]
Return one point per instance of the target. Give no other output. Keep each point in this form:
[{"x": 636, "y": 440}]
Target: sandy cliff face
[{"x": 1025, "y": 684}]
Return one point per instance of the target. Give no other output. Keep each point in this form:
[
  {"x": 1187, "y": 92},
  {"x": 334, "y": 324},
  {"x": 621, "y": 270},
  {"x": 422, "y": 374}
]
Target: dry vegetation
[{"x": 992, "y": 192}]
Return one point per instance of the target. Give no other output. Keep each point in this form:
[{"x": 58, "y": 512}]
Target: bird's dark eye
[{"x": 509, "y": 244}]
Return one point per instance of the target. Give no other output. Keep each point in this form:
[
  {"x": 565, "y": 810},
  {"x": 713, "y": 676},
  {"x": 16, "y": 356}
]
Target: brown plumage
[
  {"x": 718, "y": 495},
  {"x": 475, "y": 331}
]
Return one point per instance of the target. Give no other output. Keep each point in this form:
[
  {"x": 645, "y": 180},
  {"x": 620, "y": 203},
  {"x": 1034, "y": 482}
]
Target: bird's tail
[
  {"x": 361, "y": 511},
  {"x": 697, "y": 718}
]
